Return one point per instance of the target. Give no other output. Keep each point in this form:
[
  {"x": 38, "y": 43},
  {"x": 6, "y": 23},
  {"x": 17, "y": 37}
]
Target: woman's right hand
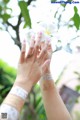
[{"x": 33, "y": 65}]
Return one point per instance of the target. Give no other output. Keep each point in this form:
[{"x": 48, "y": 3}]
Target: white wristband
[
  {"x": 47, "y": 76},
  {"x": 8, "y": 112},
  {"x": 18, "y": 91}
]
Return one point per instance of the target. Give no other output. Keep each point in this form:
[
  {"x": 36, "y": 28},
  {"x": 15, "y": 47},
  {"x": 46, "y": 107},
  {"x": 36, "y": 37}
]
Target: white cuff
[
  {"x": 8, "y": 112},
  {"x": 47, "y": 76},
  {"x": 18, "y": 91}
]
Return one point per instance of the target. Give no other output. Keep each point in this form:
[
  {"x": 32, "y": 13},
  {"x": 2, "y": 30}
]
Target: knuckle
[
  {"x": 44, "y": 51},
  {"x": 37, "y": 46},
  {"x": 22, "y": 52}
]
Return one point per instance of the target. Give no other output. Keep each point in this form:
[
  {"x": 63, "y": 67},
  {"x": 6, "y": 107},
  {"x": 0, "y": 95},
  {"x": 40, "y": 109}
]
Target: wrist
[
  {"x": 46, "y": 76},
  {"x": 25, "y": 84},
  {"x": 45, "y": 72},
  {"x": 46, "y": 82},
  {"x": 14, "y": 101}
]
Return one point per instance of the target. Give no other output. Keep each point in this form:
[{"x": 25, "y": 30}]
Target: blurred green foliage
[
  {"x": 7, "y": 77},
  {"x": 33, "y": 108},
  {"x": 77, "y": 115},
  {"x": 77, "y": 73}
]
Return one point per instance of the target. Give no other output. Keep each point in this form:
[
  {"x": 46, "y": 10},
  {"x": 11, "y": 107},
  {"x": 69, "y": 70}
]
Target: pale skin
[
  {"x": 29, "y": 64},
  {"x": 54, "y": 106},
  {"x": 38, "y": 61}
]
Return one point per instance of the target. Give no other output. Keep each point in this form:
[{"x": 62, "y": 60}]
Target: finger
[
  {"x": 47, "y": 63},
  {"x": 38, "y": 39},
  {"x": 50, "y": 51},
  {"x": 31, "y": 49},
  {"x": 42, "y": 56},
  {"x": 37, "y": 44},
  {"x": 42, "y": 44},
  {"x": 43, "y": 51},
  {"x": 23, "y": 51},
  {"x": 42, "y": 59},
  {"x": 45, "y": 54},
  {"x": 47, "y": 42},
  {"x": 32, "y": 41},
  {"x": 46, "y": 66},
  {"x": 49, "y": 48}
]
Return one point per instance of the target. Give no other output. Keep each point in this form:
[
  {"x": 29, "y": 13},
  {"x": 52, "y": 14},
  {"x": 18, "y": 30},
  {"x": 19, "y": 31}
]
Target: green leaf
[
  {"x": 5, "y": 90},
  {"x": 7, "y": 69},
  {"x": 78, "y": 88},
  {"x": 5, "y": 17},
  {"x": 7, "y": 77},
  {"x": 75, "y": 9},
  {"x": 0, "y": 8},
  {"x": 25, "y": 12},
  {"x": 38, "y": 102},
  {"x": 76, "y": 18},
  {"x": 53, "y": 1},
  {"x": 6, "y": 1}
]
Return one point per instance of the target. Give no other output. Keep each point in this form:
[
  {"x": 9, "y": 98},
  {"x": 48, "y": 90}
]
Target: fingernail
[
  {"x": 24, "y": 41},
  {"x": 39, "y": 34},
  {"x": 32, "y": 44},
  {"x": 48, "y": 40},
  {"x": 32, "y": 41},
  {"x": 32, "y": 37}
]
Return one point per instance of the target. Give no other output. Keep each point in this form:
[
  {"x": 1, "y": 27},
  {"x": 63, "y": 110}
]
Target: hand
[
  {"x": 46, "y": 66},
  {"x": 31, "y": 65}
]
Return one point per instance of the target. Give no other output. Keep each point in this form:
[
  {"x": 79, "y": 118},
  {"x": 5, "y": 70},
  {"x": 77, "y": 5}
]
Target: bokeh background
[{"x": 19, "y": 19}]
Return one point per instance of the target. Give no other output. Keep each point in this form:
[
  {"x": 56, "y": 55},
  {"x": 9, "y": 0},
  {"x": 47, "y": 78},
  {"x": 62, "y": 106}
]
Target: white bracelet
[
  {"x": 47, "y": 76},
  {"x": 8, "y": 112},
  {"x": 18, "y": 91}
]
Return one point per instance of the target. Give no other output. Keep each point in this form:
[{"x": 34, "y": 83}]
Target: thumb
[
  {"x": 46, "y": 66},
  {"x": 47, "y": 63}
]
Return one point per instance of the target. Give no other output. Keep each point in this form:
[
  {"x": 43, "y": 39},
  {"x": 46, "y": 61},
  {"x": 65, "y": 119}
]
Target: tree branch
[
  {"x": 19, "y": 20},
  {"x": 29, "y": 2},
  {"x": 10, "y": 34},
  {"x": 10, "y": 25},
  {"x": 16, "y": 28},
  {"x": 17, "y": 42}
]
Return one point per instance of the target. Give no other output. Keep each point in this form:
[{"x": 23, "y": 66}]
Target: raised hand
[{"x": 32, "y": 65}]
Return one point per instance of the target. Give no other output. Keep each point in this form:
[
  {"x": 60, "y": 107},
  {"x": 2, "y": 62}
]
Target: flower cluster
[{"x": 46, "y": 29}]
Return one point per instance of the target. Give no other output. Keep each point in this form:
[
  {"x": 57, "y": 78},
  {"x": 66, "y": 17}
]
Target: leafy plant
[
  {"x": 7, "y": 77},
  {"x": 6, "y": 15},
  {"x": 33, "y": 108}
]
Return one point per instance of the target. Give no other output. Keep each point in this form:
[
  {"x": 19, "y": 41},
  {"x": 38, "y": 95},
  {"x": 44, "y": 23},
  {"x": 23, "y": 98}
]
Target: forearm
[
  {"x": 15, "y": 100},
  {"x": 54, "y": 106}
]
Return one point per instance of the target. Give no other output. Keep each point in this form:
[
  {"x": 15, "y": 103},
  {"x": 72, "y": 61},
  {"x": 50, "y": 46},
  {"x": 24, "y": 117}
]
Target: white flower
[{"x": 47, "y": 29}]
